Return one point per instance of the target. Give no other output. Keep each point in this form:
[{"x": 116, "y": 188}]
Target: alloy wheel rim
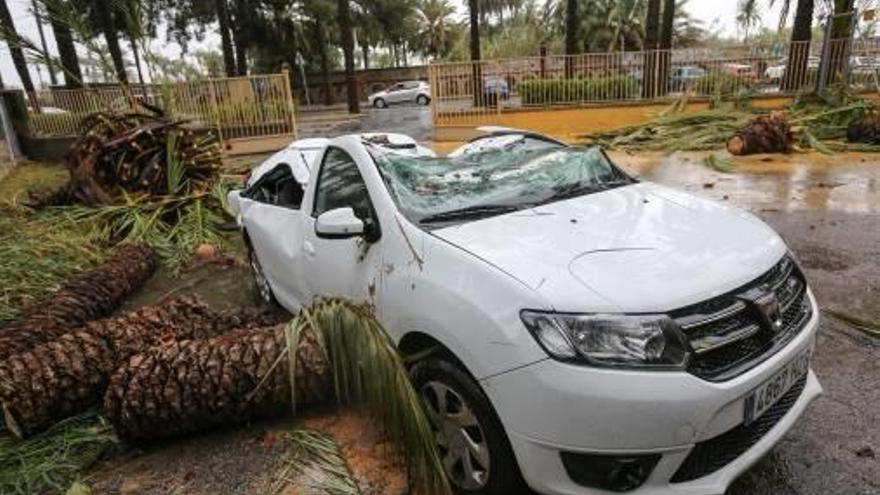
[
  {"x": 260, "y": 279},
  {"x": 459, "y": 435}
]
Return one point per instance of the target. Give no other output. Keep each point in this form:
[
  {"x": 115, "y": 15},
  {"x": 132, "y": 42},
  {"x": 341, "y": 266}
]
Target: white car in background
[
  {"x": 418, "y": 92},
  {"x": 777, "y": 71},
  {"x": 584, "y": 332}
]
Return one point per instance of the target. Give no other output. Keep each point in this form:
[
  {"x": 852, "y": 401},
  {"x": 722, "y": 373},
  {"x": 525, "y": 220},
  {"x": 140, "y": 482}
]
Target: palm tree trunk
[
  {"x": 239, "y": 38},
  {"x": 365, "y": 49},
  {"x": 135, "y": 52},
  {"x": 344, "y": 13},
  {"x": 650, "y": 75},
  {"x": 321, "y": 38},
  {"x": 66, "y": 47},
  {"x": 10, "y": 35},
  {"x": 225, "y": 38},
  {"x": 39, "y": 18},
  {"x": 799, "y": 50},
  {"x": 474, "y": 15},
  {"x": 571, "y": 35},
  {"x": 111, "y": 35},
  {"x": 841, "y": 37},
  {"x": 665, "y": 55}
]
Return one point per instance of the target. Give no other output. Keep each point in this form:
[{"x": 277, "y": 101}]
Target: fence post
[
  {"x": 218, "y": 120},
  {"x": 288, "y": 96}
]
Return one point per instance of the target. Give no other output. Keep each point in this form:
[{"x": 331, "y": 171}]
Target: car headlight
[{"x": 628, "y": 341}]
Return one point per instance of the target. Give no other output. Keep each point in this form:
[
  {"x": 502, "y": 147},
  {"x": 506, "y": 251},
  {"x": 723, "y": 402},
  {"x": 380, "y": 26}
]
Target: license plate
[{"x": 762, "y": 398}]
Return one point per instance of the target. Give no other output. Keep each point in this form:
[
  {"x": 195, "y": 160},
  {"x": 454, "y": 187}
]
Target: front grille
[
  {"x": 728, "y": 334},
  {"x": 711, "y": 455}
]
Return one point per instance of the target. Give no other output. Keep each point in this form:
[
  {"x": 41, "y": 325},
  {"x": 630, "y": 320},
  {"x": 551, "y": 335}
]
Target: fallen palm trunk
[
  {"x": 69, "y": 375},
  {"x": 336, "y": 349},
  {"x": 763, "y": 134},
  {"x": 865, "y": 129},
  {"x": 196, "y": 385},
  {"x": 85, "y": 297}
]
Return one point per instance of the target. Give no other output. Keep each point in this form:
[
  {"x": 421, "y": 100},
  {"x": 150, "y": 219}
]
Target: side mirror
[{"x": 340, "y": 223}]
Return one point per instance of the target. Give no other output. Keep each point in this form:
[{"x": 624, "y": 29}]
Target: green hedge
[{"x": 551, "y": 91}]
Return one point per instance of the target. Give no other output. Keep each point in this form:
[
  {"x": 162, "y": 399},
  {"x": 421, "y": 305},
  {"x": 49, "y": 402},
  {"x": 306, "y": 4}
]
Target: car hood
[{"x": 638, "y": 248}]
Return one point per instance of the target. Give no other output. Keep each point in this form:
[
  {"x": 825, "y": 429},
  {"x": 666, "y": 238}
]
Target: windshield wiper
[{"x": 479, "y": 211}]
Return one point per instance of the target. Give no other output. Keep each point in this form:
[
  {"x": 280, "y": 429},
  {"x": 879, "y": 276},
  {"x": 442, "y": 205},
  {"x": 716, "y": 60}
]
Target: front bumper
[{"x": 551, "y": 407}]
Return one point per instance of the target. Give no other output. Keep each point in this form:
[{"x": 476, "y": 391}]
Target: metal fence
[
  {"x": 259, "y": 106},
  {"x": 467, "y": 92}
]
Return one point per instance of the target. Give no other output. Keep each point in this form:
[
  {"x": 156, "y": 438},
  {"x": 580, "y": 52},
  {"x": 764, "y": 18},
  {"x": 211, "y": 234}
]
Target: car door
[
  {"x": 410, "y": 91},
  {"x": 396, "y": 93},
  {"x": 273, "y": 221},
  {"x": 341, "y": 267}
]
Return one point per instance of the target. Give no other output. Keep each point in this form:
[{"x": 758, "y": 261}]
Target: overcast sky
[{"x": 717, "y": 15}]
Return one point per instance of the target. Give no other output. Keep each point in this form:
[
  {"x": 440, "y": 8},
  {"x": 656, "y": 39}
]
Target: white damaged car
[{"x": 591, "y": 333}]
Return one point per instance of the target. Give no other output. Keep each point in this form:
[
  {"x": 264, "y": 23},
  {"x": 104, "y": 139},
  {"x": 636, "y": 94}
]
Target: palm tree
[
  {"x": 434, "y": 27},
  {"x": 10, "y": 35},
  {"x": 107, "y": 25},
  {"x": 476, "y": 75},
  {"x": 748, "y": 16},
  {"x": 38, "y": 17},
  {"x": 225, "y": 37},
  {"x": 343, "y": 13},
  {"x": 652, "y": 33},
  {"x": 841, "y": 37},
  {"x": 799, "y": 49},
  {"x": 668, "y": 30},
  {"x": 571, "y": 35},
  {"x": 59, "y": 12}
]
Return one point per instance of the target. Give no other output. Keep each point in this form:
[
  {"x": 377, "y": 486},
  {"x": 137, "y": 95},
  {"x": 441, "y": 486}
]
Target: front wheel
[
  {"x": 379, "y": 103},
  {"x": 423, "y": 100},
  {"x": 471, "y": 442}
]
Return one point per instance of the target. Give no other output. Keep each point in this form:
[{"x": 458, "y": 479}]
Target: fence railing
[
  {"x": 466, "y": 92},
  {"x": 238, "y": 108}
]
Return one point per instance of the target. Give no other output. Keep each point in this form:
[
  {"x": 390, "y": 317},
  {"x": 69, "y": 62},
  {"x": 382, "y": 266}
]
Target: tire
[
  {"x": 262, "y": 289},
  {"x": 379, "y": 103},
  {"x": 423, "y": 100},
  {"x": 495, "y": 474}
]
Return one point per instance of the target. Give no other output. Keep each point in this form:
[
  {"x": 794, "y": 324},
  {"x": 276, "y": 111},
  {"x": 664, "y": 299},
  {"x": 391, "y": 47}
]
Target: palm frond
[
  {"x": 315, "y": 462},
  {"x": 368, "y": 371}
]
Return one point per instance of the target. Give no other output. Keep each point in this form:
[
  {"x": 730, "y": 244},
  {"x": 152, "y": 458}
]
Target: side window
[
  {"x": 277, "y": 187},
  {"x": 340, "y": 185}
]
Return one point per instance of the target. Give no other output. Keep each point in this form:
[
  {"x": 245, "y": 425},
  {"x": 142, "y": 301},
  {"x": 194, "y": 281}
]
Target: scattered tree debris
[
  {"x": 90, "y": 295},
  {"x": 136, "y": 154},
  {"x": 69, "y": 374},
  {"x": 868, "y": 327},
  {"x": 718, "y": 164},
  {"x": 763, "y": 134}
]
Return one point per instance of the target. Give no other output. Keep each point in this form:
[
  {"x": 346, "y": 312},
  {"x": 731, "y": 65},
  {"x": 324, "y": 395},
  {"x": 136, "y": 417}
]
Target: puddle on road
[{"x": 843, "y": 182}]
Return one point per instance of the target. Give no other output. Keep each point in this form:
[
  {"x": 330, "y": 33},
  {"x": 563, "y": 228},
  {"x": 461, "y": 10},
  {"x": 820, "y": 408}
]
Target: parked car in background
[
  {"x": 745, "y": 72},
  {"x": 683, "y": 78},
  {"x": 495, "y": 87},
  {"x": 402, "y": 92},
  {"x": 776, "y": 71},
  {"x": 577, "y": 329}
]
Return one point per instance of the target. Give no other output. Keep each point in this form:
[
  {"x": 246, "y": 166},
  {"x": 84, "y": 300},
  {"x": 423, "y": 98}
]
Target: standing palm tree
[
  {"x": 476, "y": 76},
  {"x": 749, "y": 15},
  {"x": 434, "y": 27},
  {"x": 104, "y": 15},
  {"x": 571, "y": 35},
  {"x": 38, "y": 17},
  {"x": 668, "y": 30},
  {"x": 225, "y": 38},
  {"x": 343, "y": 13},
  {"x": 59, "y": 11},
  {"x": 651, "y": 82},
  {"x": 799, "y": 49},
  {"x": 10, "y": 35}
]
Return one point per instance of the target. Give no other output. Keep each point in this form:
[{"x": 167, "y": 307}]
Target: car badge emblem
[{"x": 767, "y": 305}]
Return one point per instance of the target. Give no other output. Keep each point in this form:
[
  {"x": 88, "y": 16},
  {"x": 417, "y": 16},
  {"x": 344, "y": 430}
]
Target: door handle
[{"x": 309, "y": 249}]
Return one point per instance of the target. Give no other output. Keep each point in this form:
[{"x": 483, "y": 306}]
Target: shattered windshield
[{"x": 433, "y": 191}]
